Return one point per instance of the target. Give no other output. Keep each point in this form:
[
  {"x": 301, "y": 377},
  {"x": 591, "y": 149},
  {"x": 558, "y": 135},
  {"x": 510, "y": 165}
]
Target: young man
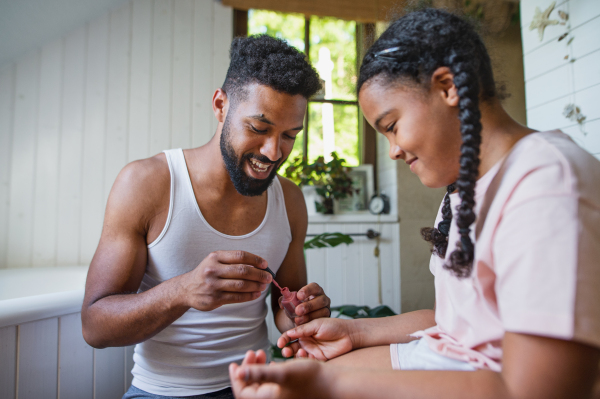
[{"x": 180, "y": 267}]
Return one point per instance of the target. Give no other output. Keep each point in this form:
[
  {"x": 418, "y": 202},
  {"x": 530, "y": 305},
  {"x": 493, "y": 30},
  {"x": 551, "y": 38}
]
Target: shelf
[{"x": 352, "y": 218}]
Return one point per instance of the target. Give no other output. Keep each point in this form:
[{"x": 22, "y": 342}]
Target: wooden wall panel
[
  {"x": 92, "y": 184},
  {"x": 71, "y": 142},
  {"x": 202, "y": 113},
  {"x": 38, "y": 359},
  {"x": 47, "y": 156},
  {"x": 8, "y": 361},
  {"x": 160, "y": 109},
  {"x": 181, "y": 122},
  {"x": 7, "y": 80},
  {"x": 20, "y": 223},
  {"x": 118, "y": 95},
  {"x": 139, "y": 97},
  {"x": 222, "y": 32},
  {"x": 76, "y": 369},
  {"x": 109, "y": 373}
]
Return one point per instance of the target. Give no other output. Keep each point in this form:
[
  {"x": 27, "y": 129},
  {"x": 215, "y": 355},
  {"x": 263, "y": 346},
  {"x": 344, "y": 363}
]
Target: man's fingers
[
  {"x": 238, "y": 297},
  {"x": 242, "y": 257},
  {"x": 313, "y": 289},
  {"x": 244, "y": 272},
  {"x": 232, "y": 285},
  {"x": 319, "y": 302}
]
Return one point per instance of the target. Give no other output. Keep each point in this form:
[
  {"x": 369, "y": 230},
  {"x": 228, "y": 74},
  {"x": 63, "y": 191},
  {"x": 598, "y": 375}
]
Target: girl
[{"x": 518, "y": 314}]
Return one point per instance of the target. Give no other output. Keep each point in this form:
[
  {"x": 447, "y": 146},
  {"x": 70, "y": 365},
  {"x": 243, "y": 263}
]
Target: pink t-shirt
[{"x": 537, "y": 255}]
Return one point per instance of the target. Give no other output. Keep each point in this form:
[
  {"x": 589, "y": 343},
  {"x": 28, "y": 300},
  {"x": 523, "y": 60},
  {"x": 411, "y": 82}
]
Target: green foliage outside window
[{"x": 339, "y": 37}]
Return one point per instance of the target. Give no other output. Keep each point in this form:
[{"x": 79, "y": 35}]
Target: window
[{"x": 333, "y": 121}]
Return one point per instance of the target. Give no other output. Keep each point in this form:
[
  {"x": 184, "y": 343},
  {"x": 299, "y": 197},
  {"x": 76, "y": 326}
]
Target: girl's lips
[{"x": 412, "y": 163}]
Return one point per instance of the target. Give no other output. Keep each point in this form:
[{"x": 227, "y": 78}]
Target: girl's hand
[
  {"x": 297, "y": 379},
  {"x": 321, "y": 339}
]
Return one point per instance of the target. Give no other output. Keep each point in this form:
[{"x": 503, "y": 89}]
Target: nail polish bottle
[{"x": 289, "y": 301}]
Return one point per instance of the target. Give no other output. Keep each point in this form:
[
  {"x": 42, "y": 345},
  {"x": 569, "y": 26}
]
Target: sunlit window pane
[
  {"x": 289, "y": 27},
  {"x": 339, "y": 38},
  {"x": 343, "y": 138}
]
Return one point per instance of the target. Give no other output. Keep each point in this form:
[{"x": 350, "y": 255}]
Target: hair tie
[{"x": 444, "y": 227}]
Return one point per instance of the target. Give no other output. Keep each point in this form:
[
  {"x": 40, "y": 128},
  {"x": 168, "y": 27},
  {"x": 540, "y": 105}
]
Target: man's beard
[{"x": 244, "y": 184}]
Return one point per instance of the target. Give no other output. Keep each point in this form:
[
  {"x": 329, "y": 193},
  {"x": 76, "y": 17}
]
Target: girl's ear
[{"x": 442, "y": 82}]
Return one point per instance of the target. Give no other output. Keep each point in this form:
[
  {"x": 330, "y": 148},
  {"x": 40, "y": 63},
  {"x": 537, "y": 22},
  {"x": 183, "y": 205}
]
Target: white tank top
[{"x": 191, "y": 356}]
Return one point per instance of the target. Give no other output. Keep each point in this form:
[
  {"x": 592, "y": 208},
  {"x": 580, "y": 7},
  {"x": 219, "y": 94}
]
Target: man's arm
[
  {"x": 113, "y": 314},
  {"x": 292, "y": 273}
]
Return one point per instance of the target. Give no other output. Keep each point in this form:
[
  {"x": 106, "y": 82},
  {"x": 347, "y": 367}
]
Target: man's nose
[
  {"x": 395, "y": 152},
  {"x": 271, "y": 148}
]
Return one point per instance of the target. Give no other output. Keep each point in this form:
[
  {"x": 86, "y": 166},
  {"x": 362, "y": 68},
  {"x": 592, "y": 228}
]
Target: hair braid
[
  {"x": 461, "y": 260},
  {"x": 414, "y": 46},
  {"x": 439, "y": 237}
]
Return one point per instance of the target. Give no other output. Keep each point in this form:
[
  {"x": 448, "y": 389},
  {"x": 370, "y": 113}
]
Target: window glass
[
  {"x": 342, "y": 120},
  {"x": 289, "y": 27},
  {"x": 339, "y": 38}
]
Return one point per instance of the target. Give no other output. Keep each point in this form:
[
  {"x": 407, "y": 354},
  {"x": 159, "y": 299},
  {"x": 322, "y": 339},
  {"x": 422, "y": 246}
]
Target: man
[{"x": 193, "y": 231}]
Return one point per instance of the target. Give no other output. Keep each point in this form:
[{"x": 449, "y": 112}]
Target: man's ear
[
  {"x": 220, "y": 104},
  {"x": 442, "y": 82}
]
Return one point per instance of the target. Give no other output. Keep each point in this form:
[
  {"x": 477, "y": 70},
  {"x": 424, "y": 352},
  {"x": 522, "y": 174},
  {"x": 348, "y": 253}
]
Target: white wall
[
  {"x": 125, "y": 86},
  {"x": 553, "y": 81}
]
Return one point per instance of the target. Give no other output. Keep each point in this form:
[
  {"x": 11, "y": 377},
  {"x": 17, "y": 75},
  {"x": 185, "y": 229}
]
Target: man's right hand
[
  {"x": 225, "y": 277},
  {"x": 321, "y": 339}
]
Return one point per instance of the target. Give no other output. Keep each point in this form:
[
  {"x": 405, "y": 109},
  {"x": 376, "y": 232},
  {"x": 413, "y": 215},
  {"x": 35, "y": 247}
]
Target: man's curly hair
[{"x": 271, "y": 62}]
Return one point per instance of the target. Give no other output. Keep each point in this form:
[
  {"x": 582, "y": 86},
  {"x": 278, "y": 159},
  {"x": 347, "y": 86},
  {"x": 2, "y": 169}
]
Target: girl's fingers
[
  {"x": 250, "y": 358},
  {"x": 261, "y": 374},
  {"x": 261, "y": 357}
]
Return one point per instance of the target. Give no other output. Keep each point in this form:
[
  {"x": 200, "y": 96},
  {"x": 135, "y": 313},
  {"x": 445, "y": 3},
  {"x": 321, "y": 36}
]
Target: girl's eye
[
  {"x": 390, "y": 127},
  {"x": 256, "y": 130}
]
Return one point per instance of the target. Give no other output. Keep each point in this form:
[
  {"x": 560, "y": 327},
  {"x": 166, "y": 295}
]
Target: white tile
[
  {"x": 586, "y": 71},
  {"x": 530, "y": 38},
  {"x": 590, "y": 141},
  {"x": 583, "y": 11},
  {"x": 553, "y": 85}
]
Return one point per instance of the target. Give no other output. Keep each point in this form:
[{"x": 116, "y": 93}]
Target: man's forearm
[
  {"x": 127, "y": 319},
  {"x": 388, "y": 330}
]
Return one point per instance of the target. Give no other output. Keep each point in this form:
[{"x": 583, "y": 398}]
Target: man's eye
[
  {"x": 390, "y": 127},
  {"x": 290, "y": 137},
  {"x": 256, "y": 130}
]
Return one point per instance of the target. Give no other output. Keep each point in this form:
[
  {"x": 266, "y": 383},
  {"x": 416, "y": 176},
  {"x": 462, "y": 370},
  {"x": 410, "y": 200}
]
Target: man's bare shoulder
[{"x": 141, "y": 188}]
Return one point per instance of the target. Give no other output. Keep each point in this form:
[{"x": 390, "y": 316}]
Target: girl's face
[{"x": 421, "y": 125}]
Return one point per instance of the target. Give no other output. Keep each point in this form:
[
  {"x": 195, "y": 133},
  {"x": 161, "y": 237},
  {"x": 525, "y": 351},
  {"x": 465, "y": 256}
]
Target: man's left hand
[{"x": 315, "y": 304}]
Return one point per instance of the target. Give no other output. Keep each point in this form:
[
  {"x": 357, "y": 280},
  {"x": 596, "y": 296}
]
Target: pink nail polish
[{"x": 289, "y": 302}]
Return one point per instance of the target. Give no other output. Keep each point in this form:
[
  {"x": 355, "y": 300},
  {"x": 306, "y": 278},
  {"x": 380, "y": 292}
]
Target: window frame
[{"x": 364, "y": 38}]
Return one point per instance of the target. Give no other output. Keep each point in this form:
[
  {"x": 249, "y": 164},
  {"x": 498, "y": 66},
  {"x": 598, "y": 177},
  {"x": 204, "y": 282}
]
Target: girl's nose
[{"x": 395, "y": 152}]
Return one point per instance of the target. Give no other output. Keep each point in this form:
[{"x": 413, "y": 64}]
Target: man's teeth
[{"x": 258, "y": 166}]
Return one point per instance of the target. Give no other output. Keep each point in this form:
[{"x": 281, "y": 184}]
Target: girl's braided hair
[{"x": 421, "y": 42}]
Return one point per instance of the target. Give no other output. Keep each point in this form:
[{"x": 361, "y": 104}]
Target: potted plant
[{"x": 330, "y": 179}]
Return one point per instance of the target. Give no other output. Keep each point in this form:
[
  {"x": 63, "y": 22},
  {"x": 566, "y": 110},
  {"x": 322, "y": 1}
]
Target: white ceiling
[{"x": 27, "y": 24}]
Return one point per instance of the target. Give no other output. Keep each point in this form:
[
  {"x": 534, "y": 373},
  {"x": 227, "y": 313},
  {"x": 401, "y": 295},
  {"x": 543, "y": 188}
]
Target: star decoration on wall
[{"x": 542, "y": 19}]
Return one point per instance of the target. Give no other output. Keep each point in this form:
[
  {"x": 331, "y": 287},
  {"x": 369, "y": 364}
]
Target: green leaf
[
  {"x": 328, "y": 240},
  {"x": 381, "y": 311}
]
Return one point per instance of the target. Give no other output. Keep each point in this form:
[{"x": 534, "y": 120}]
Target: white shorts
[{"x": 416, "y": 355}]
